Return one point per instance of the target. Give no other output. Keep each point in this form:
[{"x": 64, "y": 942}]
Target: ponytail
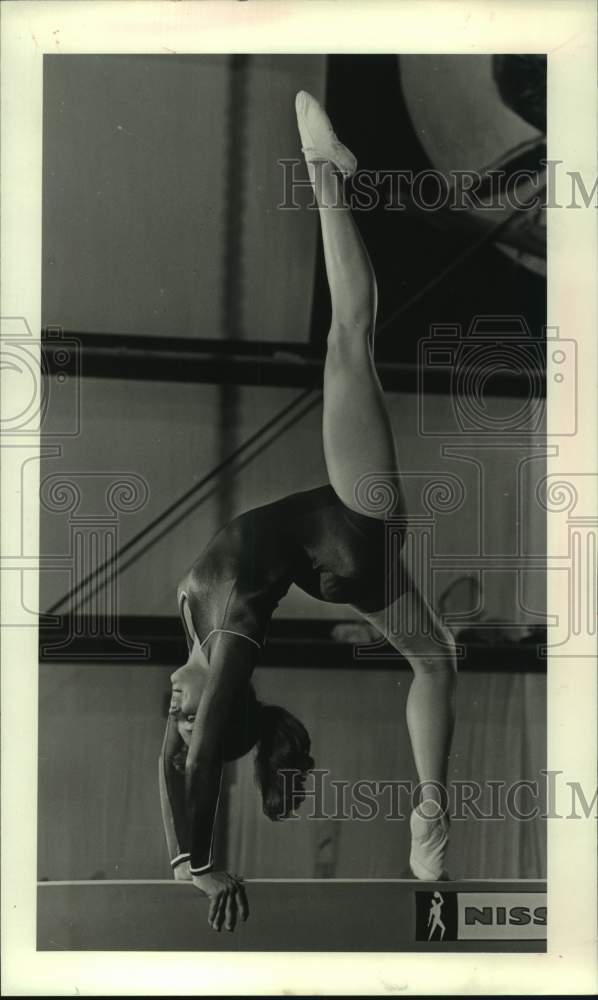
[{"x": 282, "y": 760}]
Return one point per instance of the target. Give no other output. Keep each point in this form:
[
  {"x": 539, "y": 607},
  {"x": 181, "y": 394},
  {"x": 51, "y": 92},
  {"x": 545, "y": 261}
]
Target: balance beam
[{"x": 385, "y": 915}]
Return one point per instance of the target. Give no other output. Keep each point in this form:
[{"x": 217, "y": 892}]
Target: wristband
[
  {"x": 203, "y": 870},
  {"x": 180, "y": 858}
]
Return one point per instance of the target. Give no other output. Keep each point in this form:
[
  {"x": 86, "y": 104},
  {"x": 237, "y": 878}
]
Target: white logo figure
[{"x": 434, "y": 918}]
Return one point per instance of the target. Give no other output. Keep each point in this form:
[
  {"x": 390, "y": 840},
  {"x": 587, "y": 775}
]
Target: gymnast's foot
[
  {"x": 429, "y": 841},
  {"x": 318, "y": 140}
]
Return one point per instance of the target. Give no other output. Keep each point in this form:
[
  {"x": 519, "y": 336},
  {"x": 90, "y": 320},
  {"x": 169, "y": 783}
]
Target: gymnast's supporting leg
[
  {"x": 358, "y": 440},
  {"x": 431, "y": 718},
  {"x": 411, "y": 626}
]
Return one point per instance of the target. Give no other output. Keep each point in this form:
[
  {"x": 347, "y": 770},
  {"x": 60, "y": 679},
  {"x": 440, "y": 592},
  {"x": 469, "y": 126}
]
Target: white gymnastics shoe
[
  {"x": 429, "y": 841},
  {"x": 318, "y": 140}
]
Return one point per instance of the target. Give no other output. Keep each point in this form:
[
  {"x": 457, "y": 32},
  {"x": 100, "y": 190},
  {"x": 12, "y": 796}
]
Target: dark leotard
[{"x": 311, "y": 539}]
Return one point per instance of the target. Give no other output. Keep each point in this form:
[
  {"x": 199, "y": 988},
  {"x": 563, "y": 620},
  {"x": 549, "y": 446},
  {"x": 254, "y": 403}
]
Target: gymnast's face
[{"x": 188, "y": 683}]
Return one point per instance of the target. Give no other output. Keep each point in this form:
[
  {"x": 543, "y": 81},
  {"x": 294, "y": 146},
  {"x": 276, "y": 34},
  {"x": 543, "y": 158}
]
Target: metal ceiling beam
[
  {"x": 233, "y": 362},
  {"x": 291, "y": 643}
]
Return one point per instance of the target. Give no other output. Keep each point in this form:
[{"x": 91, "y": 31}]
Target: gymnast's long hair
[{"x": 282, "y": 759}]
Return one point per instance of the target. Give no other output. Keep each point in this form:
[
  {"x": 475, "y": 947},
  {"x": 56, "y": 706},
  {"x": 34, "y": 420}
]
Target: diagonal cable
[
  {"x": 182, "y": 500},
  {"x": 115, "y": 566},
  {"x": 454, "y": 263}
]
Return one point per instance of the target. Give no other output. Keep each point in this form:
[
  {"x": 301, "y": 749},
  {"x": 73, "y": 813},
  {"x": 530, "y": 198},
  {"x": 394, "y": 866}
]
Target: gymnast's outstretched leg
[
  {"x": 357, "y": 433},
  {"x": 358, "y": 441}
]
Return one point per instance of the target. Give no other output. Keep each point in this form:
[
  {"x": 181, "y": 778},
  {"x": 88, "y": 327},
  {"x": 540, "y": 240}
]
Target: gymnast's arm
[
  {"x": 231, "y": 665},
  {"x": 171, "y": 782}
]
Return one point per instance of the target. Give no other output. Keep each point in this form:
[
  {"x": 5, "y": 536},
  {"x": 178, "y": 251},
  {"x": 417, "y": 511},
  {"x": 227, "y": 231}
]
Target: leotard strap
[{"x": 230, "y": 631}]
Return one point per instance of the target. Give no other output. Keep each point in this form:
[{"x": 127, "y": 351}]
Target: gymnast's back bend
[{"x": 322, "y": 541}]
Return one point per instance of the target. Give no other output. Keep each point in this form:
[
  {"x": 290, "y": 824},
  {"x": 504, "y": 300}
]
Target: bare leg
[
  {"x": 412, "y": 628},
  {"x": 357, "y": 434},
  {"x": 358, "y": 441},
  {"x": 430, "y": 721}
]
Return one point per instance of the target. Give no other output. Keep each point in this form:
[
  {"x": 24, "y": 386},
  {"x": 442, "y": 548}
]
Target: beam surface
[{"x": 302, "y": 915}]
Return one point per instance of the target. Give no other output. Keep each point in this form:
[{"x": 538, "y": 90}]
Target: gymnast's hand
[
  {"x": 182, "y": 872},
  {"x": 228, "y": 900}
]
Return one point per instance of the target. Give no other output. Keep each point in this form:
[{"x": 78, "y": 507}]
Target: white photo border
[{"x": 566, "y": 31}]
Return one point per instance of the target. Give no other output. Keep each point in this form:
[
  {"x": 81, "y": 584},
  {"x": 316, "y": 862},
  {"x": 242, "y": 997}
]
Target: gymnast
[{"x": 322, "y": 541}]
